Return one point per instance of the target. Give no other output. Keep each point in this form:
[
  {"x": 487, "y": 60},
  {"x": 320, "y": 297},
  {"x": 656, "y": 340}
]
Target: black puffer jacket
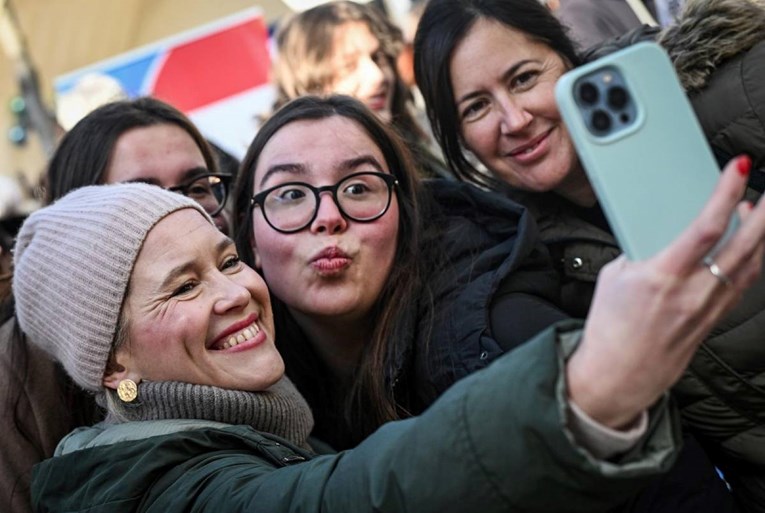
[
  {"x": 497, "y": 288},
  {"x": 731, "y": 110},
  {"x": 493, "y": 290},
  {"x": 718, "y": 48}
]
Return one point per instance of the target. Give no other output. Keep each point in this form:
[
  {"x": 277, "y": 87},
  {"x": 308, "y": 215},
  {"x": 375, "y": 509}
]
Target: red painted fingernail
[{"x": 744, "y": 165}]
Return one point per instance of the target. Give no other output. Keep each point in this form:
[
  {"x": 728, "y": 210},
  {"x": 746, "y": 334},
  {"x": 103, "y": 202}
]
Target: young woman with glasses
[
  {"x": 142, "y": 140},
  {"x": 382, "y": 286}
]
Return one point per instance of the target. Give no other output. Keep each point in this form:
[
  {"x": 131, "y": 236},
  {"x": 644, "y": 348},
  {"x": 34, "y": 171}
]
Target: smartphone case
[{"x": 653, "y": 178}]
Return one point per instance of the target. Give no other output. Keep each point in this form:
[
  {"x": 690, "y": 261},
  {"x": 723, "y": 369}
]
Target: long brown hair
[
  {"x": 403, "y": 287},
  {"x": 305, "y": 48}
]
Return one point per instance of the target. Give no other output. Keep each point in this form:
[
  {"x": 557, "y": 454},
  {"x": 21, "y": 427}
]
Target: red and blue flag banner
[{"x": 217, "y": 74}]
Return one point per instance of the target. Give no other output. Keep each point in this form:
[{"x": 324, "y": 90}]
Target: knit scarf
[{"x": 279, "y": 410}]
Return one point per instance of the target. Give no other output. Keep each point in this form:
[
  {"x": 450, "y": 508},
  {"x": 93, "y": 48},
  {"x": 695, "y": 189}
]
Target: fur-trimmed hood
[{"x": 708, "y": 33}]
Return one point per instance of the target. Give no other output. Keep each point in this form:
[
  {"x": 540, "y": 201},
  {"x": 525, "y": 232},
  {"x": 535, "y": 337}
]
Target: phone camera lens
[
  {"x": 588, "y": 93},
  {"x": 601, "y": 121},
  {"x": 617, "y": 97}
]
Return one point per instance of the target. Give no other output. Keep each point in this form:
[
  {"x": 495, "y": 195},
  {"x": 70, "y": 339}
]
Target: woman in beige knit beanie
[
  {"x": 146, "y": 304},
  {"x": 134, "y": 291}
]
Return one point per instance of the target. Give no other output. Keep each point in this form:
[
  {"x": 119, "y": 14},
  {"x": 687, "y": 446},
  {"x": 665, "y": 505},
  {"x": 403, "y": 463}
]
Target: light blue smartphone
[{"x": 640, "y": 144}]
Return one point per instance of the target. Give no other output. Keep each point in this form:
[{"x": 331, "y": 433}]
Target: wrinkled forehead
[{"x": 177, "y": 236}]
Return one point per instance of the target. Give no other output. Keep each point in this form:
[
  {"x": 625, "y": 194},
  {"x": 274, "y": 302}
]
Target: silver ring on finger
[{"x": 717, "y": 272}]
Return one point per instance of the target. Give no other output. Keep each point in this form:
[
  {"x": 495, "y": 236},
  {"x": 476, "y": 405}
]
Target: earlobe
[
  {"x": 112, "y": 379},
  {"x": 116, "y": 372}
]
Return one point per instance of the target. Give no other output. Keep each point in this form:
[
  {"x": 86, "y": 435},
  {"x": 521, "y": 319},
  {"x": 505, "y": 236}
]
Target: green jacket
[{"x": 496, "y": 441}]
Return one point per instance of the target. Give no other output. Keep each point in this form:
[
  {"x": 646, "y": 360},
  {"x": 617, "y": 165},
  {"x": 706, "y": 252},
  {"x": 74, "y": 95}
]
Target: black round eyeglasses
[
  {"x": 209, "y": 190},
  {"x": 292, "y": 206}
]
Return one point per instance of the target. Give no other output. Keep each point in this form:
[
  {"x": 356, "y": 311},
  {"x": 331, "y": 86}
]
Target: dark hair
[
  {"x": 86, "y": 150},
  {"x": 9, "y": 227},
  {"x": 443, "y": 26},
  {"x": 369, "y": 393},
  {"x": 305, "y": 46}
]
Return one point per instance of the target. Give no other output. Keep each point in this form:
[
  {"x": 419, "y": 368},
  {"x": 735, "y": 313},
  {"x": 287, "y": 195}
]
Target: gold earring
[{"x": 127, "y": 390}]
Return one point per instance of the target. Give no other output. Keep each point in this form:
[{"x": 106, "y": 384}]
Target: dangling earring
[{"x": 127, "y": 390}]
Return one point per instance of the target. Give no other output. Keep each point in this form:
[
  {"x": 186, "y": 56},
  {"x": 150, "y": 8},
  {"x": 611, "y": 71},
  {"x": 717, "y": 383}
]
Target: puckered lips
[
  {"x": 330, "y": 260},
  {"x": 532, "y": 149},
  {"x": 240, "y": 336}
]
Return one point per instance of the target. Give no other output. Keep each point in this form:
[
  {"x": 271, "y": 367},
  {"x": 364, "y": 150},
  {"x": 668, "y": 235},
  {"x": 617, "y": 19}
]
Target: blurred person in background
[
  {"x": 349, "y": 48},
  {"x": 142, "y": 140},
  {"x": 592, "y": 22}
]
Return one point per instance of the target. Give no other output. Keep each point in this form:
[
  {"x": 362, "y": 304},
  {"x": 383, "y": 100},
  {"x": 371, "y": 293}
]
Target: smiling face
[
  {"x": 335, "y": 268},
  {"x": 504, "y": 83},
  {"x": 361, "y": 69},
  {"x": 195, "y": 313},
  {"x": 164, "y": 155}
]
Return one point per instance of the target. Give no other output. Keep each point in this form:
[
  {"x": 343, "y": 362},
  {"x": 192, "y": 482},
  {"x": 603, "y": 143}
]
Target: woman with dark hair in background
[
  {"x": 349, "y": 48},
  {"x": 142, "y": 140}
]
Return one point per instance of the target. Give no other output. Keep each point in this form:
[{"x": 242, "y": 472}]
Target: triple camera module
[{"x": 605, "y": 102}]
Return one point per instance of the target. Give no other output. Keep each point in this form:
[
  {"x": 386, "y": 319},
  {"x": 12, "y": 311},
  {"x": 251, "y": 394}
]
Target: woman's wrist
[{"x": 602, "y": 399}]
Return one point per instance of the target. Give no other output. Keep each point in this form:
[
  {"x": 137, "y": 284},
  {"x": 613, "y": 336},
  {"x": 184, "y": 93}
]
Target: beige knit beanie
[{"x": 72, "y": 266}]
